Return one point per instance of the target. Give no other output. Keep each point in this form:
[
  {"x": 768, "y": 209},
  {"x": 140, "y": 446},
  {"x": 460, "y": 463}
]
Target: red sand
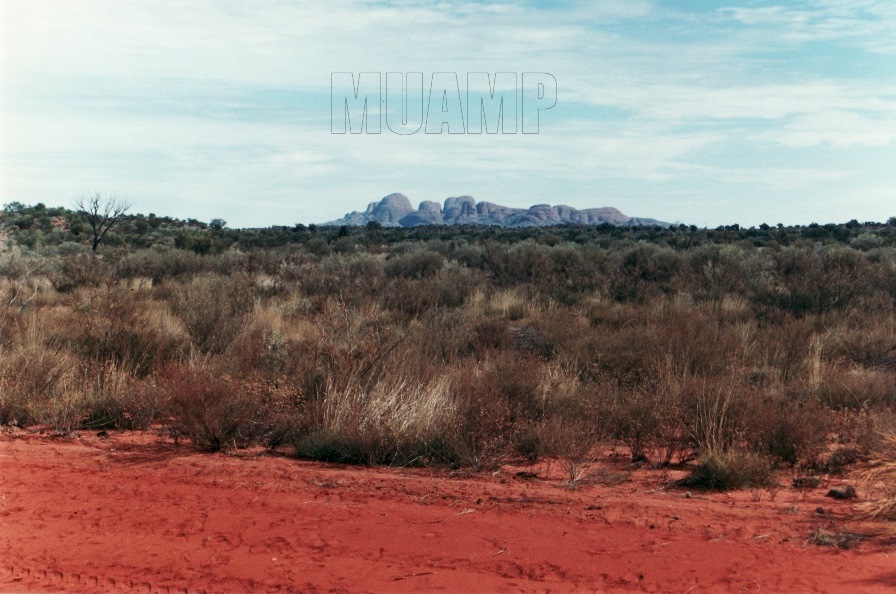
[{"x": 135, "y": 513}]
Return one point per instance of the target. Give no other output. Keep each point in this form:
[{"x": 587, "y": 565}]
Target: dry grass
[
  {"x": 880, "y": 476},
  {"x": 395, "y": 421},
  {"x": 841, "y": 539}
]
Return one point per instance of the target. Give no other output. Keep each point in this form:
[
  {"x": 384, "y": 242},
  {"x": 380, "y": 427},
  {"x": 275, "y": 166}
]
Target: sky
[{"x": 700, "y": 112}]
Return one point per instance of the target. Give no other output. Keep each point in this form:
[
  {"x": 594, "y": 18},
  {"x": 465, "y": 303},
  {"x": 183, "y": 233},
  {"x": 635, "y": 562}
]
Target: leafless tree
[{"x": 102, "y": 213}]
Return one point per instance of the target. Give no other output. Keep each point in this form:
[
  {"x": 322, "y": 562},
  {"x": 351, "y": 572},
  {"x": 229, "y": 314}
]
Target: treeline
[{"x": 40, "y": 226}]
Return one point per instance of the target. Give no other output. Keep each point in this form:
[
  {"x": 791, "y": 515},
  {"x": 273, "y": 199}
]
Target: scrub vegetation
[{"x": 745, "y": 350}]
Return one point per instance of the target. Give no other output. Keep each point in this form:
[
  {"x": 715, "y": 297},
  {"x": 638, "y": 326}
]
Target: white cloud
[
  {"x": 870, "y": 23},
  {"x": 837, "y": 128}
]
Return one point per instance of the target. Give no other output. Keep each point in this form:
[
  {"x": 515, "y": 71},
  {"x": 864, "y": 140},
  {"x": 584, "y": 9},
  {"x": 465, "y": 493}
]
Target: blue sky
[{"x": 699, "y": 112}]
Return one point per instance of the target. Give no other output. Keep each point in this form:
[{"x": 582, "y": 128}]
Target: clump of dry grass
[
  {"x": 841, "y": 539},
  {"x": 881, "y": 477},
  {"x": 393, "y": 421}
]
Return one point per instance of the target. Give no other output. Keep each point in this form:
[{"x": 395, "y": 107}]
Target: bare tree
[{"x": 102, "y": 213}]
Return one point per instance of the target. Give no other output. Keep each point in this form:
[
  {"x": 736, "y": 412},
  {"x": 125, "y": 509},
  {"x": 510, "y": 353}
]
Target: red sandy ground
[{"x": 136, "y": 513}]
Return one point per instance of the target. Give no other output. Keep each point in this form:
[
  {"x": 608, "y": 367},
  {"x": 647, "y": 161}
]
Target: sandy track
[{"x": 133, "y": 513}]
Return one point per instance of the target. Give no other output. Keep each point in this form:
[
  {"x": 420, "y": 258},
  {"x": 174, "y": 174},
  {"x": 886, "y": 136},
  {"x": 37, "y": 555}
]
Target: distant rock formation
[{"x": 395, "y": 210}]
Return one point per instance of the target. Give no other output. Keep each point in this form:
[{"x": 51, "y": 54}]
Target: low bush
[
  {"x": 212, "y": 410},
  {"x": 416, "y": 265},
  {"x": 791, "y": 432},
  {"x": 79, "y": 270},
  {"x": 725, "y": 471},
  {"x": 571, "y": 433},
  {"x": 213, "y": 309}
]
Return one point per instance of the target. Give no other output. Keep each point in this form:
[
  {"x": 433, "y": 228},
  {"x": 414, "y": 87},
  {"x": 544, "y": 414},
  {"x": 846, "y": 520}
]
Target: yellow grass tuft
[{"x": 881, "y": 477}]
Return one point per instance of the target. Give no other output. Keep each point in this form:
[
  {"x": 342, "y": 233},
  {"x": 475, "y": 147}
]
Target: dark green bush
[{"x": 730, "y": 471}]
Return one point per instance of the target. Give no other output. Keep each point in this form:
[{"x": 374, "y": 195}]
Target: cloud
[
  {"x": 837, "y": 128},
  {"x": 869, "y": 23}
]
